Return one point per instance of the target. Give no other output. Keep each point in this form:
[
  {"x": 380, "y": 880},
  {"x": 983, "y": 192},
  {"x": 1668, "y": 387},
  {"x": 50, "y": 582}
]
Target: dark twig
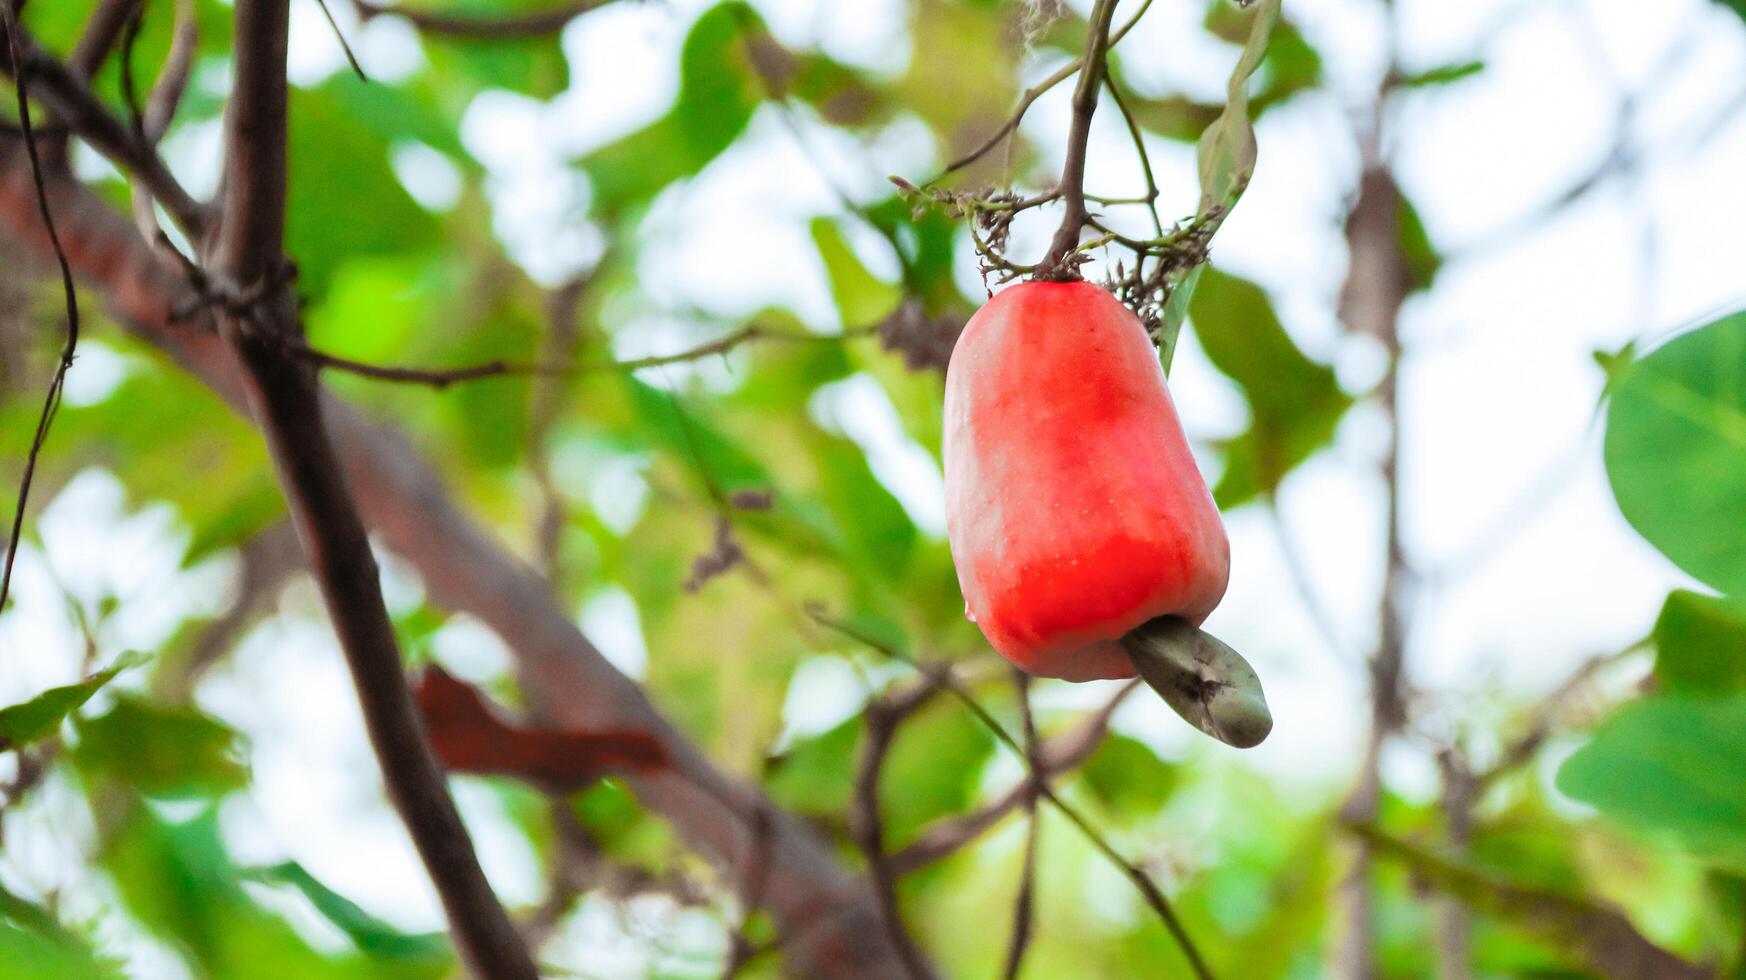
[
  {"x": 534, "y": 24},
  {"x": 340, "y": 36},
  {"x": 1024, "y": 903},
  {"x": 440, "y": 378},
  {"x": 107, "y": 24},
  {"x": 284, "y": 398},
  {"x": 51, "y": 401},
  {"x": 883, "y": 716},
  {"x": 1057, "y": 755},
  {"x": 1029, "y": 98},
  {"x": 1148, "y": 889}
]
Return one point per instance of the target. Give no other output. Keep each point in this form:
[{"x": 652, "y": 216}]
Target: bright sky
[{"x": 1501, "y": 475}]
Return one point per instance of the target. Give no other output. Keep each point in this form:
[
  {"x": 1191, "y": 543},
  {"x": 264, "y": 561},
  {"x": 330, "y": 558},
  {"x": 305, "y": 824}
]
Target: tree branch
[
  {"x": 73, "y": 103},
  {"x": 830, "y": 926},
  {"x": 286, "y": 404},
  {"x": 1058, "y": 264}
]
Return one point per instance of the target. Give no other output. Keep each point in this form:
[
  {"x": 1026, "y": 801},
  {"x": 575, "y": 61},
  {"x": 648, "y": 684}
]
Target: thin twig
[
  {"x": 52, "y": 400},
  {"x": 1142, "y": 882},
  {"x": 1031, "y": 95},
  {"x": 1024, "y": 903},
  {"x": 1058, "y": 754},
  {"x": 107, "y": 24},
  {"x": 340, "y": 36},
  {"x": 883, "y": 717}
]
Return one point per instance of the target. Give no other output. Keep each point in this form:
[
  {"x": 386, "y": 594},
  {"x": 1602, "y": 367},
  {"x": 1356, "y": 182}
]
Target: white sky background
[{"x": 1497, "y": 394}]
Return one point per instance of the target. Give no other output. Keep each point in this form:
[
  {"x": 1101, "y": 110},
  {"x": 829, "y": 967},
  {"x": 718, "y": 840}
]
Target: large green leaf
[
  {"x": 39, "y": 717},
  {"x": 1700, "y": 645},
  {"x": 1670, "y": 764},
  {"x": 170, "y": 753},
  {"x": 1127, "y": 777},
  {"x": 370, "y": 934},
  {"x": 935, "y": 769},
  {"x": 1676, "y": 451},
  {"x": 1294, "y": 402},
  {"x": 862, "y": 298},
  {"x": 344, "y": 200}
]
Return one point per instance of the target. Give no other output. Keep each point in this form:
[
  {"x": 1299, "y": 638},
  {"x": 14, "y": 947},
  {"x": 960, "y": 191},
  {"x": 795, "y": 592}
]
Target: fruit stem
[{"x": 1062, "y": 262}]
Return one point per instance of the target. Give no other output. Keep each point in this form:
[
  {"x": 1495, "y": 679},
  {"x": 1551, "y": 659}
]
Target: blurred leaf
[
  {"x": 1443, "y": 74},
  {"x": 344, "y": 200},
  {"x": 27, "y": 954},
  {"x": 1420, "y": 257},
  {"x": 1175, "y": 116},
  {"x": 862, "y": 298},
  {"x": 1676, "y": 451},
  {"x": 1672, "y": 764},
  {"x": 934, "y": 769},
  {"x": 41, "y": 716},
  {"x": 625, "y": 831},
  {"x": 1225, "y": 155},
  {"x": 1294, "y": 402},
  {"x": 1606, "y": 941},
  {"x": 718, "y": 89},
  {"x": 816, "y": 774},
  {"x": 164, "y": 752},
  {"x": 178, "y": 882},
  {"x": 1127, "y": 777},
  {"x": 370, "y": 934},
  {"x": 1700, "y": 645}
]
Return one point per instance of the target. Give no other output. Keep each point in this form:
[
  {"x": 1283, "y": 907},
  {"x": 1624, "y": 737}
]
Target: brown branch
[
  {"x": 73, "y": 103},
  {"x": 828, "y": 918},
  {"x": 534, "y": 24},
  {"x": 102, "y": 31},
  {"x": 1058, "y": 264},
  {"x": 286, "y": 404}
]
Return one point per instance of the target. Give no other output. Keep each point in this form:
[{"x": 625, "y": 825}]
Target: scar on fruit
[{"x": 1086, "y": 543}]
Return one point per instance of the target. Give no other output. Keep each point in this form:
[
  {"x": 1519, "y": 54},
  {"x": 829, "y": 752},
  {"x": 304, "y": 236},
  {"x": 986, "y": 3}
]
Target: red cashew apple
[{"x": 1083, "y": 533}]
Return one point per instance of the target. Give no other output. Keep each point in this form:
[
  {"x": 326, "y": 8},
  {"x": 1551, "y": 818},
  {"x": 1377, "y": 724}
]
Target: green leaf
[
  {"x": 344, "y": 200},
  {"x": 718, "y": 90},
  {"x": 1226, "y": 153},
  {"x": 1676, "y": 451},
  {"x": 1127, "y": 777},
  {"x": 31, "y": 955},
  {"x": 1670, "y": 764},
  {"x": 1442, "y": 75},
  {"x": 1421, "y": 258},
  {"x": 1294, "y": 402},
  {"x": 177, "y": 881},
  {"x": 39, "y": 717},
  {"x": 370, "y": 934},
  {"x": 1700, "y": 645},
  {"x": 816, "y": 774},
  {"x": 934, "y": 769},
  {"x": 169, "y": 753},
  {"x": 862, "y": 298}
]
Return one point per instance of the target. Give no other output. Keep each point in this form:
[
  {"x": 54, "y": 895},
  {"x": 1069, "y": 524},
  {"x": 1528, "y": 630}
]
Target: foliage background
[{"x": 1570, "y": 173}]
